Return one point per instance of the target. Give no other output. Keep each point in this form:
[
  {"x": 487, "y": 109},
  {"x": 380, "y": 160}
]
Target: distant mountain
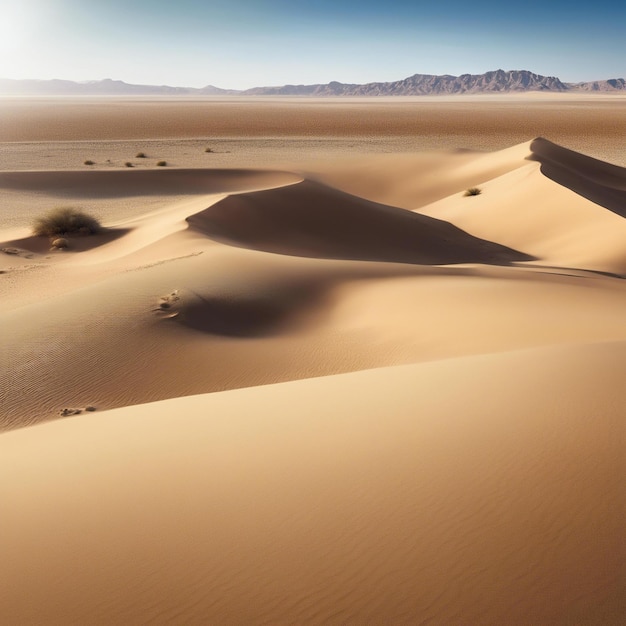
[
  {"x": 106, "y": 87},
  {"x": 614, "y": 84},
  {"x": 498, "y": 81}
]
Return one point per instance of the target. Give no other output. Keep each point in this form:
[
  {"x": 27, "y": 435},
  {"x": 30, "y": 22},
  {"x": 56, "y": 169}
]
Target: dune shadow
[
  {"x": 574, "y": 272},
  {"x": 286, "y": 301},
  {"x": 141, "y": 182},
  {"x": 601, "y": 183},
  {"x": 309, "y": 219},
  {"x": 247, "y": 316}
]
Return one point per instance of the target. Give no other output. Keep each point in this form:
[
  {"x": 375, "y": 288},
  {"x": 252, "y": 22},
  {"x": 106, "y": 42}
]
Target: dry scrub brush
[
  {"x": 473, "y": 191},
  {"x": 65, "y": 221},
  {"x": 60, "y": 243}
]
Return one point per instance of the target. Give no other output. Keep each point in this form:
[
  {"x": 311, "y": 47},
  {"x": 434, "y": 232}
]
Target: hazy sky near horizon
[{"x": 244, "y": 43}]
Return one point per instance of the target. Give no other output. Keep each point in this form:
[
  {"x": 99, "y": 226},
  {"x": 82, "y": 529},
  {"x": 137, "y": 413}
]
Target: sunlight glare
[
  {"x": 22, "y": 33},
  {"x": 19, "y": 22}
]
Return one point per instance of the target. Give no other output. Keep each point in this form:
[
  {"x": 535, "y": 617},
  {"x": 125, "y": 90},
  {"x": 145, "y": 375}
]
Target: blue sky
[{"x": 245, "y": 43}]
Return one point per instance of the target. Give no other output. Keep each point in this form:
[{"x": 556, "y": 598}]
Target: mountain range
[{"x": 498, "y": 81}]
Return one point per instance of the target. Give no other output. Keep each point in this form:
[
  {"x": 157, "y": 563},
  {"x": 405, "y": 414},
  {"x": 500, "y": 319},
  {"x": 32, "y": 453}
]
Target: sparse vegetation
[
  {"x": 161, "y": 163},
  {"x": 88, "y": 162},
  {"x": 75, "y": 411},
  {"x": 60, "y": 243},
  {"x": 65, "y": 221},
  {"x": 128, "y": 164},
  {"x": 140, "y": 155},
  {"x": 473, "y": 191},
  {"x": 208, "y": 149}
]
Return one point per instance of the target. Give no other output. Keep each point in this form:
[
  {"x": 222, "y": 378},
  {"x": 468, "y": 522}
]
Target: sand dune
[
  {"x": 593, "y": 170},
  {"x": 342, "y": 394},
  {"x": 120, "y": 195},
  {"x": 599, "y": 182},
  {"x": 414, "y": 180},
  {"x": 308, "y": 219},
  {"x": 561, "y": 223},
  {"x": 402, "y": 495}
]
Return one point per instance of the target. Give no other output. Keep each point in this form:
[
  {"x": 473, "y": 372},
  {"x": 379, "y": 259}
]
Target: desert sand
[{"x": 329, "y": 387}]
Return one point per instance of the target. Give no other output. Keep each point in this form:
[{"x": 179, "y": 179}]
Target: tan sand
[
  {"x": 397, "y": 495},
  {"x": 340, "y": 392},
  {"x": 246, "y": 132}
]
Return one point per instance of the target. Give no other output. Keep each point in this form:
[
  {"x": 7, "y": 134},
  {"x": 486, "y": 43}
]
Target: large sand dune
[
  {"x": 308, "y": 219},
  {"x": 484, "y": 490},
  {"x": 342, "y": 394}
]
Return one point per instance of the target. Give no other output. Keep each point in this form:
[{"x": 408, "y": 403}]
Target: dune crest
[
  {"x": 602, "y": 183},
  {"x": 309, "y": 219},
  {"x": 561, "y": 207}
]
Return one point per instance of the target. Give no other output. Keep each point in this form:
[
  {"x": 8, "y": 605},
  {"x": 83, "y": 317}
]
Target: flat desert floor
[{"x": 328, "y": 387}]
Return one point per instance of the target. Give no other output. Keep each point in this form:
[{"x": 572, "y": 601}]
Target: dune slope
[
  {"x": 563, "y": 208},
  {"x": 308, "y": 219},
  {"x": 486, "y": 489},
  {"x": 602, "y": 183}
]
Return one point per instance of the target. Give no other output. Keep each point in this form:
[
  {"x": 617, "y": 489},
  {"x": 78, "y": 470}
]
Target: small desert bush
[
  {"x": 473, "y": 191},
  {"x": 162, "y": 163},
  {"x": 60, "y": 243},
  {"x": 65, "y": 221},
  {"x": 140, "y": 155},
  {"x": 208, "y": 149},
  {"x": 128, "y": 164},
  {"x": 88, "y": 162}
]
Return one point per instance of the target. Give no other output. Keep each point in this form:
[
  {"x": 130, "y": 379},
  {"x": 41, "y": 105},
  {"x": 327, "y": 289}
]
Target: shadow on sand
[
  {"x": 308, "y": 219},
  {"x": 602, "y": 183}
]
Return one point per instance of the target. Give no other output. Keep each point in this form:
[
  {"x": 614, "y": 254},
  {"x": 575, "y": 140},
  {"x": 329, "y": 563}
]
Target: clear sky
[{"x": 244, "y": 43}]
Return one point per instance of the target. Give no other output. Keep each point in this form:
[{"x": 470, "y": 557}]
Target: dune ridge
[
  {"x": 308, "y": 219},
  {"x": 345, "y": 393},
  {"x": 566, "y": 224},
  {"x": 602, "y": 183}
]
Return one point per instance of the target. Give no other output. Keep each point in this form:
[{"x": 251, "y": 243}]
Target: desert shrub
[
  {"x": 65, "y": 221},
  {"x": 60, "y": 243},
  {"x": 162, "y": 163},
  {"x": 473, "y": 191},
  {"x": 128, "y": 164},
  {"x": 208, "y": 150},
  {"x": 140, "y": 155},
  {"x": 88, "y": 162}
]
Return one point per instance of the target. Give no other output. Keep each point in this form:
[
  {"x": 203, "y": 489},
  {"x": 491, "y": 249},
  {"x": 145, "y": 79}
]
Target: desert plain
[{"x": 329, "y": 386}]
